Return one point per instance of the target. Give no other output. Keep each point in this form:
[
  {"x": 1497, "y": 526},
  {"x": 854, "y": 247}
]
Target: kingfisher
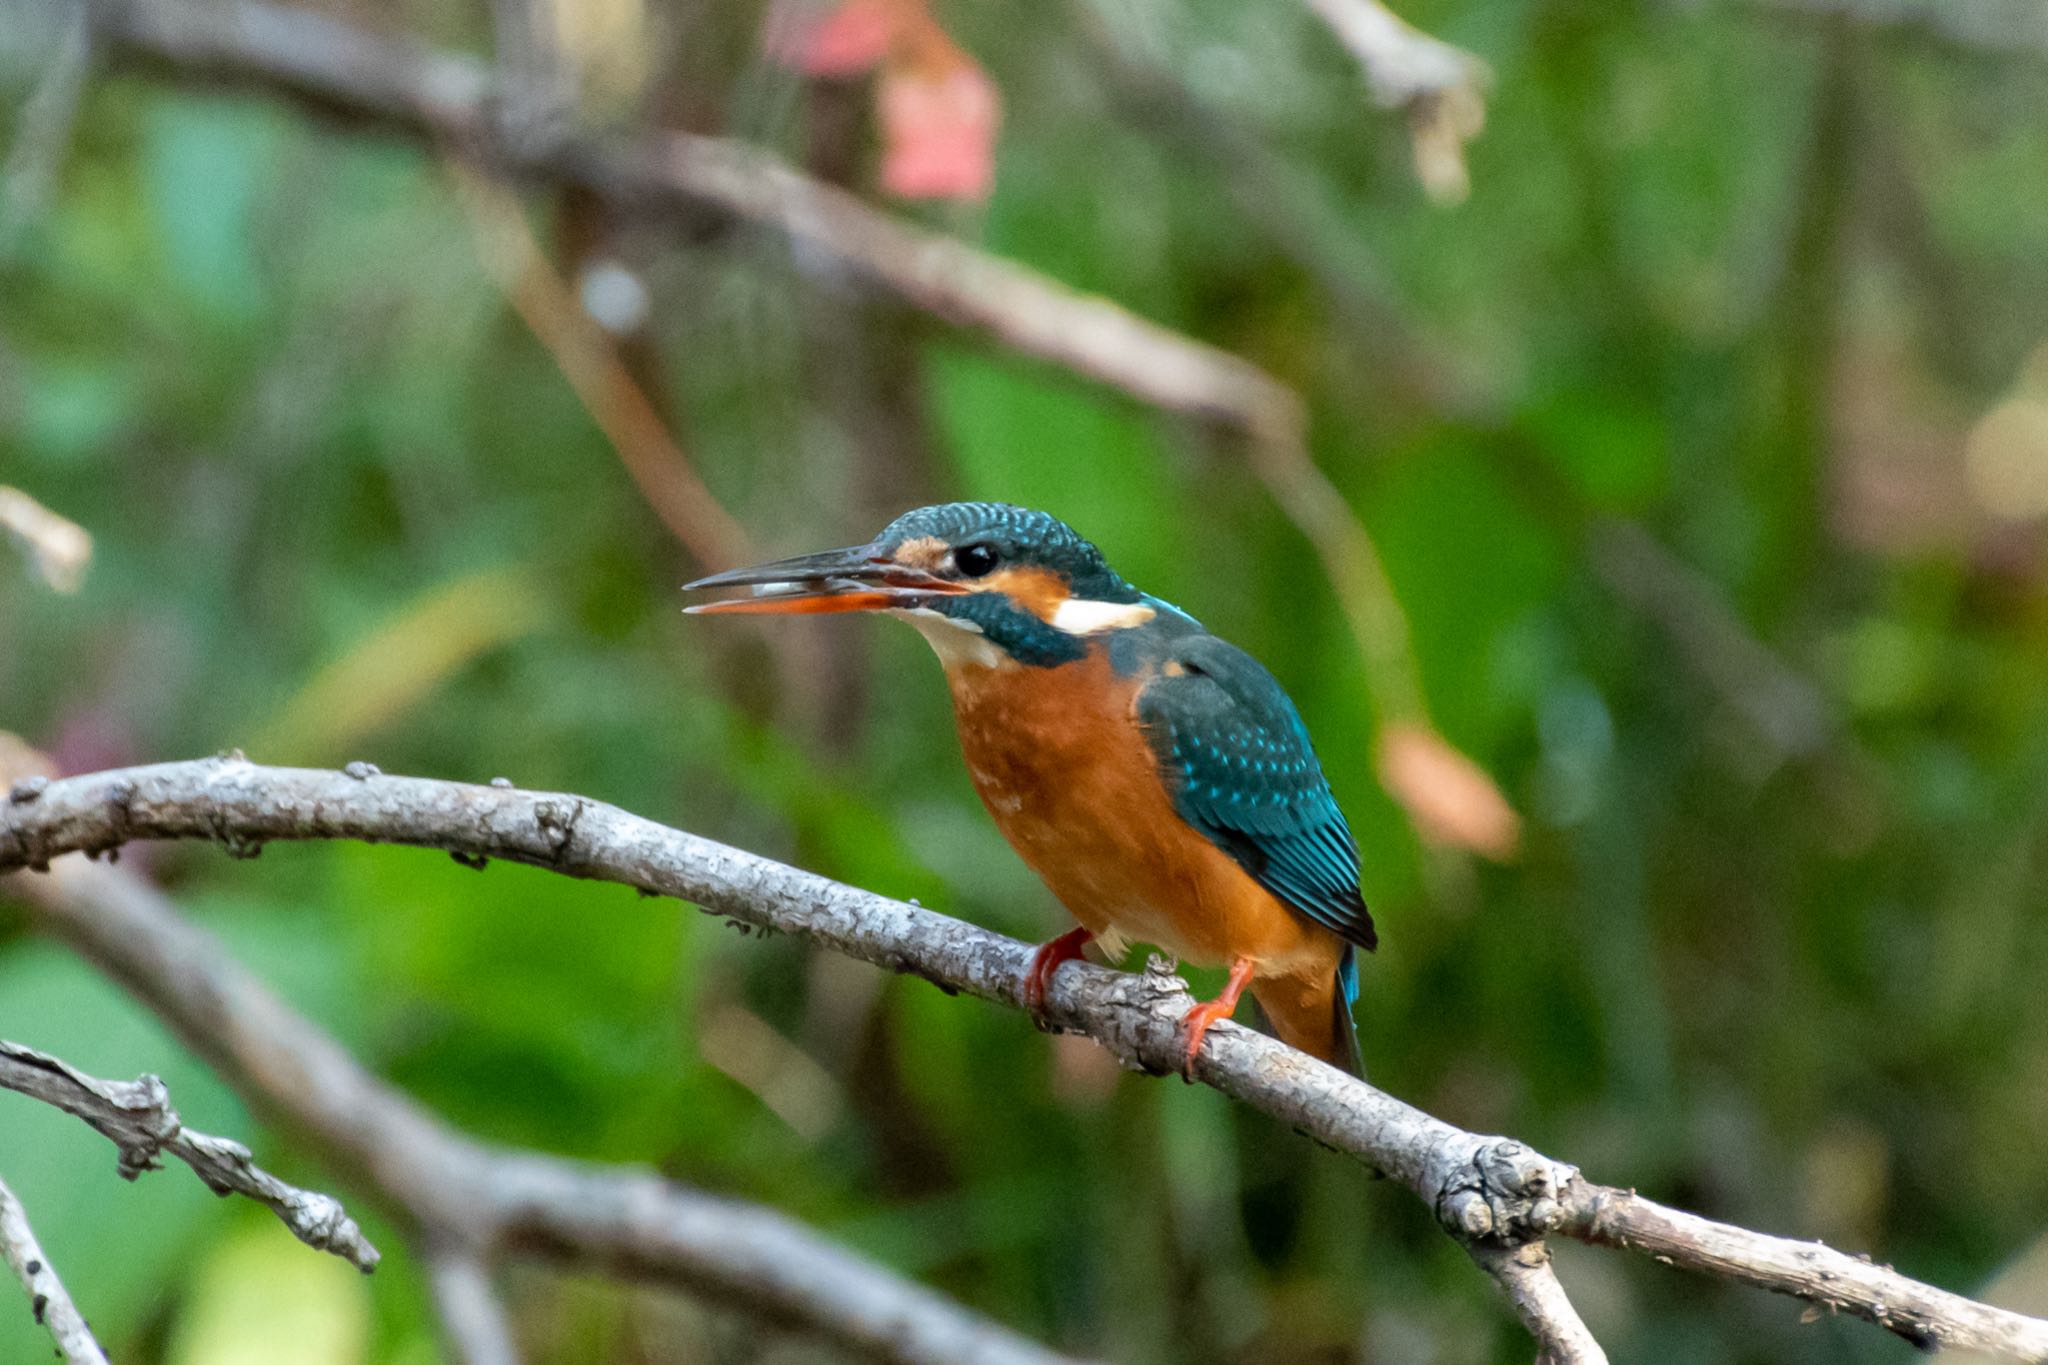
[{"x": 1158, "y": 779}]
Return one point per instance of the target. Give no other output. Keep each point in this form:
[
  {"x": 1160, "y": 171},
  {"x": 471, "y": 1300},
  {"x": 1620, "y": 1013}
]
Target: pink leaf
[
  {"x": 848, "y": 40},
  {"x": 939, "y": 129}
]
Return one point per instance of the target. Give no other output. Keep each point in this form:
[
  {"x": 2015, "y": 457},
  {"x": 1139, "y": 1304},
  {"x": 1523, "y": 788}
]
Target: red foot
[
  {"x": 1203, "y": 1015},
  {"x": 1045, "y": 962}
]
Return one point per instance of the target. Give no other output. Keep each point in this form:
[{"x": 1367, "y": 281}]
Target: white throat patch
[{"x": 955, "y": 642}]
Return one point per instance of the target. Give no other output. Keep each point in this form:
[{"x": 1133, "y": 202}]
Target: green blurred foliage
[{"x": 1746, "y": 281}]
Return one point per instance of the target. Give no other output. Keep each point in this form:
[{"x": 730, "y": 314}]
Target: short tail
[{"x": 1315, "y": 1015}]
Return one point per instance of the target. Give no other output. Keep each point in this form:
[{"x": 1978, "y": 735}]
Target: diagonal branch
[
  {"x": 48, "y": 1299},
  {"x": 137, "y": 1117},
  {"x": 448, "y": 99},
  {"x": 466, "y": 1202},
  {"x": 1486, "y": 1191}
]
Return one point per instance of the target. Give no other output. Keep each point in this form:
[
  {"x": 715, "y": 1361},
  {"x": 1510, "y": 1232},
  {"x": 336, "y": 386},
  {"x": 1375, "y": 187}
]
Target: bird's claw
[
  {"x": 1044, "y": 963},
  {"x": 1203, "y": 1016},
  {"x": 1197, "y": 1022}
]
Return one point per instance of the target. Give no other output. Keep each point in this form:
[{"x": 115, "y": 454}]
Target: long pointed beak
[{"x": 853, "y": 579}]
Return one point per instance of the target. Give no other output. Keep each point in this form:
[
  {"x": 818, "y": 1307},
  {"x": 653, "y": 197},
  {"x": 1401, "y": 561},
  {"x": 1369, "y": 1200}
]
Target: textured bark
[
  {"x": 47, "y": 1297},
  {"x": 137, "y": 1117}
]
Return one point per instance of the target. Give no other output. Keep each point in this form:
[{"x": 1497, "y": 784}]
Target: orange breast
[{"x": 1061, "y": 763}]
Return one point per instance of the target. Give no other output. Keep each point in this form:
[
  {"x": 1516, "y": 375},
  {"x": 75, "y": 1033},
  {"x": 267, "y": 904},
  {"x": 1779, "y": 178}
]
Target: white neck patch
[{"x": 1083, "y": 616}]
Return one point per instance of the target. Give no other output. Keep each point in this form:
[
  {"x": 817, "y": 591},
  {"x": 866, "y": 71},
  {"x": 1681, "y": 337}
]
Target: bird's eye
[{"x": 974, "y": 560}]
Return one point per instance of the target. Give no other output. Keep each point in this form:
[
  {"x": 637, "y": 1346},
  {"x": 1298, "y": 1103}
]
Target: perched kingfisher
[{"x": 1157, "y": 778}]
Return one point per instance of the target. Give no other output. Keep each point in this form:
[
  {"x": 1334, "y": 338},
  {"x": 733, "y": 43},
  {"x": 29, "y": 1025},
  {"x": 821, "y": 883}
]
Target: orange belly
[{"x": 1061, "y": 763}]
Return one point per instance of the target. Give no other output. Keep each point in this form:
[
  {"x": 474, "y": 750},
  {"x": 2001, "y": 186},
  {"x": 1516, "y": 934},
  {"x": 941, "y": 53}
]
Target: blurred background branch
[
  {"x": 449, "y": 98},
  {"x": 587, "y": 359},
  {"x": 2017, "y": 26}
]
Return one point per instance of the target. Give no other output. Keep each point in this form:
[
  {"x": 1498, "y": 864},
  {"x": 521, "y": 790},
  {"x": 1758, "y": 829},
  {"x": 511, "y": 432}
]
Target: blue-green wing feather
[{"x": 1238, "y": 761}]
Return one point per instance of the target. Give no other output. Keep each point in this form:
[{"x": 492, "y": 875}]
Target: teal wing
[{"x": 1234, "y": 753}]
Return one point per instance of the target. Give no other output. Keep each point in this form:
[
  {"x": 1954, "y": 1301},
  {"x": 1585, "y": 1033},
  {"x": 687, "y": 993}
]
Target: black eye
[{"x": 974, "y": 560}]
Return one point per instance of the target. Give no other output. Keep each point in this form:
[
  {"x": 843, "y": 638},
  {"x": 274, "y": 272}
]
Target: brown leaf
[{"x": 1448, "y": 797}]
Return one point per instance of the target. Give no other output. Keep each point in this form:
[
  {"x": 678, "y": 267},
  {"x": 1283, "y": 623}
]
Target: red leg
[
  {"x": 1223, "y": 1006},
  {"x": 1045, "y": 962}
]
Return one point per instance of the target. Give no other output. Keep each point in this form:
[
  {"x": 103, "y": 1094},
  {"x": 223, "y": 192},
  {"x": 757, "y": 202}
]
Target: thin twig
[
  {"x": 1484, "y": 1190},
  {"x": 57, "y": 548},
  {"x": 1538, "y": 1299},
  {"x": 465, "y": 1198},
  {"x": 137, "y": 1117},
  {"x": 591, "y": 364},
  {"x": 47, "y": 1296}
]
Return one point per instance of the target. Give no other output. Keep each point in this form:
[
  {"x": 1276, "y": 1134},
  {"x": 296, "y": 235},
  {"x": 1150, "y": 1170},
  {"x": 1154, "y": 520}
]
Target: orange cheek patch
[{"x": 1038, "y": 591}]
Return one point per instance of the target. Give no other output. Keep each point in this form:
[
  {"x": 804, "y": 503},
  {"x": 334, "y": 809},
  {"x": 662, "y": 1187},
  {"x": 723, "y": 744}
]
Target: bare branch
[
  {"x": 2015, "y": 26},
  {"x": 47, "y": 1296},
  {"x": 1539, "y": 1301},
  {"x": 464, "y": 1198},
  {"x": 1930, "y": 1318},
  {"x": 137, "y": 1117},
  {"x": 57, "y": 548},
  {"x": 1486, "y": 1191},
  {"x": 472, "y": 1317},
  {"x": 448, "y": 99}
]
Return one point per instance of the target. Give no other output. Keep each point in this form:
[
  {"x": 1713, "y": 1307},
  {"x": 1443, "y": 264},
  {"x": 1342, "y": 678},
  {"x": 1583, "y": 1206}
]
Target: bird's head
[{"x": 986, "y": 582}]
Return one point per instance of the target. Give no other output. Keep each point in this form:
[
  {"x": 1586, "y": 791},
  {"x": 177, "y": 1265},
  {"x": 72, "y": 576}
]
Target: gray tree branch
[
  {"x": 47, "y": 1297},
  {"x": 1486, "y": 1191},
  {"x": 137, "y": 1117},
  {"x": 464, "y": 1200}
]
